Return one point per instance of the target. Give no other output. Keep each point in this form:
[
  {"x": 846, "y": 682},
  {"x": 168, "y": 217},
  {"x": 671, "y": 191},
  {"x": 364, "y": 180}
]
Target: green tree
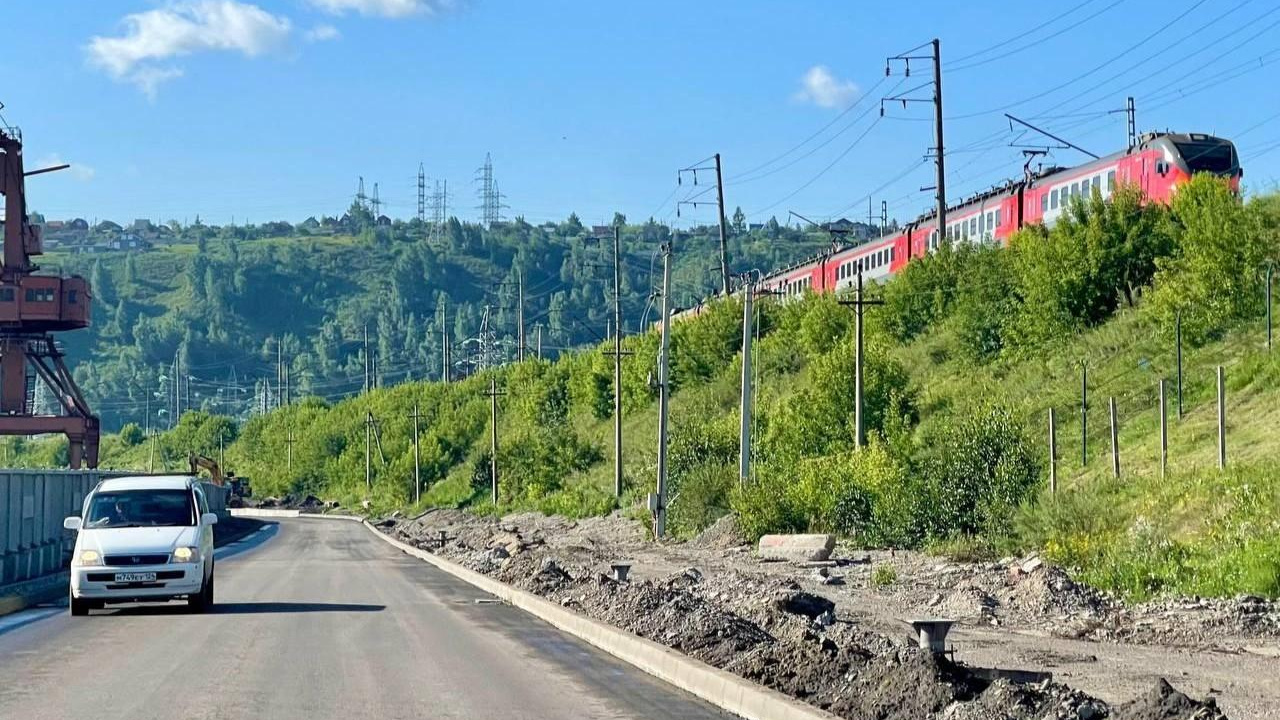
[{"x": 1213, "y": 277}]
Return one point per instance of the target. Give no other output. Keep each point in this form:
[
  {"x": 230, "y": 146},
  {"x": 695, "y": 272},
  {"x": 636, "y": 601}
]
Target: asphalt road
[{"x": 319, "y": 619}]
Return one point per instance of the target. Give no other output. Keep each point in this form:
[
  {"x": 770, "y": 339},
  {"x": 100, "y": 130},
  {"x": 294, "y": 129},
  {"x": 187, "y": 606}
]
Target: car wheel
[
  {"x": 201, "y": 601},
  {"x": 79, "y": 607}
]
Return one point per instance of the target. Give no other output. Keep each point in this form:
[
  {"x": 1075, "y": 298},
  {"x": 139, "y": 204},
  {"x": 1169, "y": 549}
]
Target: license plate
[{"x": 135, "y": 577}]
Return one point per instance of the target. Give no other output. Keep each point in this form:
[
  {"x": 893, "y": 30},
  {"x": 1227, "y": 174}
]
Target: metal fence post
[
  {"x": 1115, "y": 438},
  {"x": 1222, "y": 418},
  {"x": 1053, "y": 454},
  {"x": 1164, "y": 431}
]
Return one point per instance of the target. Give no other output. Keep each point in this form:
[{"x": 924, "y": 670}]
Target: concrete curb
[
  {"x": 718, "y": 687},
  {"x": 34, "y": 592},
  {"x": 280, "y": 513}
]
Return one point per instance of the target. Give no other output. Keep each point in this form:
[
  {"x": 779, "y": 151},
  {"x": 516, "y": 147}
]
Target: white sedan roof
[{"x": 147, "y": 482}]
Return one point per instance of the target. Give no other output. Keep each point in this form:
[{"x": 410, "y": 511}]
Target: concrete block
[{"x": 796, "y": 548}]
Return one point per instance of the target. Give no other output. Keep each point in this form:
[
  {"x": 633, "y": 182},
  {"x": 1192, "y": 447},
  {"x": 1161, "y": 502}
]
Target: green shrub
[
  {"x": 978, "y": 468},
  {"x": 131, "y": 435},
  {"x": 884, "y": 575}
]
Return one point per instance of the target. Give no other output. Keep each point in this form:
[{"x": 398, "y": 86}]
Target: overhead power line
[{"x": 1035, "y": 43}]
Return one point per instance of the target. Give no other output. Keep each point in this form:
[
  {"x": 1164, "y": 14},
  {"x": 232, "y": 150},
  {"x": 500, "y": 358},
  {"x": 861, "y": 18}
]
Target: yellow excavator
[{"x": 208, "y": 463}]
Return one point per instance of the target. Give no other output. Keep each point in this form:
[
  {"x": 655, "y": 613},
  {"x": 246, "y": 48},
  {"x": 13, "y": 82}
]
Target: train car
[{"x": 1157, "y": 164}]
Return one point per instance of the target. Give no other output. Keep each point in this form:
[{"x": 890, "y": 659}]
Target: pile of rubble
[{"x": 767, "y": 627}]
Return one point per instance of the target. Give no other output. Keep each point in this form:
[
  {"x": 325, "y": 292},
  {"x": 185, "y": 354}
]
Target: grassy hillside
[
  {"x": 219, "y": 307},
  {"x": 963, "y": 362}
]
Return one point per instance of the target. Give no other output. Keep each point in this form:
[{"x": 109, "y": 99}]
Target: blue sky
[{"x": 270, "y": 109}]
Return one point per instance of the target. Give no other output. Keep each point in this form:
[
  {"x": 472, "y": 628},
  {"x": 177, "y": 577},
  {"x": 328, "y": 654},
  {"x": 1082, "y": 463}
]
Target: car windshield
[{"x": 141, "y": 508}]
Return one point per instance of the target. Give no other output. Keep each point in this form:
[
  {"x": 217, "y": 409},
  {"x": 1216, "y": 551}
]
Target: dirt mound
[
  {"x": 1165, "y": 703},
  {"x": 721, "y": 534},
  {"x": 1048, "y": 590}
]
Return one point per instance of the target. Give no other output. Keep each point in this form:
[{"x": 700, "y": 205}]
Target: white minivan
[{"x": 143, "y": 539}]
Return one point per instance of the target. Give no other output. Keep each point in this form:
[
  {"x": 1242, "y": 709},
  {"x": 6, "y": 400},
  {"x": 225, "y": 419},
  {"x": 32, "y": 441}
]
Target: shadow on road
[{"x": 249, "y": 608}]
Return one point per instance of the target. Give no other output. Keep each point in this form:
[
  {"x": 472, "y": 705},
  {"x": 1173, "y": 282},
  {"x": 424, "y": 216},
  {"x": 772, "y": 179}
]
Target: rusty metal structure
[{"x": 33, "y": 308}]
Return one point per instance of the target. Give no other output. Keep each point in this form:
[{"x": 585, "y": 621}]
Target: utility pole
[
  {"x": 537, "y": 334},
  {"x": 617, "y": 362},
  {"x": 724, "y": 243},
  {"x": 288, "y": 453},
  {"x": 939, "y": 153},
  {"x": 366, "y": 357},
  {"x": 693, "y": 201},
  {"x": 368, "y": 464},
  {"x": 859, "y": 303},
  {"x": 664, "y": 394},
  {"x": 417, "y": 466},
  {"x": 1115, "y": 438},
  {"x": 744, "y": 438},
  {"x": 494, "y": 393},
  {"x": 444, "y": 338},
  {"x": 520, "y": 314}
]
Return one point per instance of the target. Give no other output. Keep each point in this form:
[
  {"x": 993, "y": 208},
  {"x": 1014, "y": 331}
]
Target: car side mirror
[
  {"x": 209, "y": 519},
  {"x": 71, "y": 523}
]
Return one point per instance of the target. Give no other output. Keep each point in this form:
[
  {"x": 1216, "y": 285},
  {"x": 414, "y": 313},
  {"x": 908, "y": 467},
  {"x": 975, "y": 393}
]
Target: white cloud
[
  {"x": 151, "y": 40},
  {"x": 822, "y": 88},
  {"x": 79, "y": 171},
  {"x": 320, "y": 33},
  {"x": 384, "y": 8}
]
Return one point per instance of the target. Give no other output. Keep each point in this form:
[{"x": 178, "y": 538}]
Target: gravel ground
[{"x": 826, "y": 635}]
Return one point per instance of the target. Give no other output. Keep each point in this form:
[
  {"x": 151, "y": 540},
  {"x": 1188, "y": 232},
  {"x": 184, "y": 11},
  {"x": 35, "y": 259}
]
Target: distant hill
[{"x": 216, "y": 307}]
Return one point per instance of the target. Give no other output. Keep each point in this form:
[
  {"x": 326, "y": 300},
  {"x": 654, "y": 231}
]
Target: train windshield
[{"x": 1212, "y": 157}]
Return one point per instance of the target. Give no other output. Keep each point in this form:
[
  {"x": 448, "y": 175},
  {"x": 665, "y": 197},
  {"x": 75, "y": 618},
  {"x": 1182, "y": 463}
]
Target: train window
[
  {"x": 890, "y": 254},
  {"x": 6, "y": 295},
  {"x": 973, "y": 226},
  {"x": 72, "y": 296},
  {"x": 982, "y": 223},
  {"x": 1053, "y": 198},
  {"x": 1044, "y": 203},
  {"x": 997, "y": 218},
  {"x": 1075, "y": 190},
  {"x": 1111, "y": 181}
]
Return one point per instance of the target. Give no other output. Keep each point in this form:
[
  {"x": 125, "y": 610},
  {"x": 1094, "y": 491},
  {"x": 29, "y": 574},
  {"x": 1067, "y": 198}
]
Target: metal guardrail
[{"x": 33, "y": 504}]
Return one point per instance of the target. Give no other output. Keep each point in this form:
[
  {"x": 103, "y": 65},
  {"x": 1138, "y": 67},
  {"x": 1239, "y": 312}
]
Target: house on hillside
[
  {"x": 78, "y": 225},
  {"x": 383, "y": 221},
  {"x": 106, "y": 227},
  {"x": 129, "y": 241}
]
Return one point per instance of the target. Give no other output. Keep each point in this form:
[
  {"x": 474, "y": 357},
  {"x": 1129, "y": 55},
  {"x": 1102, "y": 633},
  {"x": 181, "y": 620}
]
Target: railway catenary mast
[{"x": 32, "y": 308}]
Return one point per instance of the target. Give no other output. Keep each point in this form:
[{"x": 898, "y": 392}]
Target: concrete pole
[
  {"x": 1222, "y": 418},
  {"x": 860, "y": 432},
  {"x": 744, "y": 439},
  {"x": 664, "y": 395},
  {"x": 444, "y": 339},
  {"x": 617, "y": 362},
  {"x": 1115, "y": 439},
  {"x": 368, "y": 465}
]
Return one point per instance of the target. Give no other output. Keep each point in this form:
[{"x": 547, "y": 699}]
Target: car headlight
[
  {"x": 88, "y": 558},
  {"x": 186, "y": 555}
]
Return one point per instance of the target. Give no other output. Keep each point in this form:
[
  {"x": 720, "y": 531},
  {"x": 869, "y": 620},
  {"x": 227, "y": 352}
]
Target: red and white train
[{"x": 1157, "y": 164}]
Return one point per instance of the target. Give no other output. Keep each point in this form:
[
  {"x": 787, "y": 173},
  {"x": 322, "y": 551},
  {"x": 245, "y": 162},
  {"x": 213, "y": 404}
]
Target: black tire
[
  {"x": 203, "y": 600},
  {"x": 79, "y": 607}
]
